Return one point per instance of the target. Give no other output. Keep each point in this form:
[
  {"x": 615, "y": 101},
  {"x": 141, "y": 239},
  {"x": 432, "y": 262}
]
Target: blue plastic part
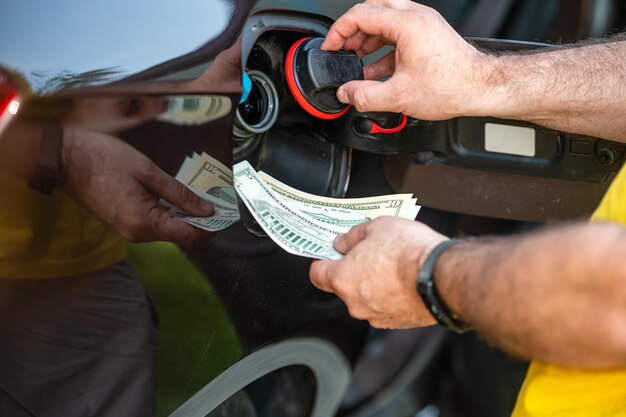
[{"x": 246, "y": 83}]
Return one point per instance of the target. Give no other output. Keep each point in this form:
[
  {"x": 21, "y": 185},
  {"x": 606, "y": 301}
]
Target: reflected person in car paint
[{"x": 82, "y": 341}]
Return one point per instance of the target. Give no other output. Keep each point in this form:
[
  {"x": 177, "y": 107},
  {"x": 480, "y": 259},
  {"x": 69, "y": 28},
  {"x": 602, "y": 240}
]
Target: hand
[
  {"x": 122, "y": 187},
  {"x": 377, "y": 277},
  {"x": 435, "y": 74},
  {"x": 224, "y": 73}
]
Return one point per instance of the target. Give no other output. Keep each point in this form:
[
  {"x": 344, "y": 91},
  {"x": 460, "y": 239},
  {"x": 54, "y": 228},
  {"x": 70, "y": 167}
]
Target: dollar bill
[
  {"x": 186, "y": 166},
  {"x": 195, "y": 110},
  {"x": 208, "y": 176},
  {"x": 291, "y": 229},
  {"x": 218, "y": 221},
  {"x": 345, "y": 213},
  {"x": 301, "y": 223},
  {"x": 212, "y": 181}
]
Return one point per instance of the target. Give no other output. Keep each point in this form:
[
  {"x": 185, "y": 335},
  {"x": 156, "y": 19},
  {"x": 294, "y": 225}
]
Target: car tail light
[{"x": 10, "y": 100}]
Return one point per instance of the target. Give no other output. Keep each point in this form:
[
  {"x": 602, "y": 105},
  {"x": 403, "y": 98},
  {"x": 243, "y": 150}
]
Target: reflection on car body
[{"x": 115, "y": 69}]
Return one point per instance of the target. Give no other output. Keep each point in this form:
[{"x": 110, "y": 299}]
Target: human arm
[
  {"x": 120, "y": 185},
  {"x": 557, "y": 295},
  {"x": 435, "y": 74}
]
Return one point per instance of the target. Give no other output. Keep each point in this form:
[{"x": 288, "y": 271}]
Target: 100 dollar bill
[
  {"x": 301, "y": 223},
  {"x": 346, "y": 212},
  {"x": 212, "y": 181},
  {"x": 292, "y": 230},
  {"x": 207, "y": 175}
]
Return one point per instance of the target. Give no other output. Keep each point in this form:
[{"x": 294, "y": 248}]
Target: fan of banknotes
[{"x": 302, "y": 224}]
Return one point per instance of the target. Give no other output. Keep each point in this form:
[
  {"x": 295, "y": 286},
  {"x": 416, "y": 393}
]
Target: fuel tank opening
[
  {"x": 258, "y": 113},
  {"x": 313, "y": 77}
]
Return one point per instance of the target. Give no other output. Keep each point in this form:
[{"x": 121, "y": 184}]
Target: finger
[
  {"x": 356, "y": 42},
  {"x": 176, "y": 193},
  {"x": 370, "y": 95},
  {"x": 394, "y": 4},
  {"x": 165, "y": 227},
  {"x": 344, "y": 243},
  {"x": 382, "y": 68},
  {"x": 320, "y": 275},
  {"x": 372, "y": 44},
  {"x": 369, "y": 18}
]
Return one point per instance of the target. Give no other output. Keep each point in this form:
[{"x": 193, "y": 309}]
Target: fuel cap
[{"x": 313, "y": 77}]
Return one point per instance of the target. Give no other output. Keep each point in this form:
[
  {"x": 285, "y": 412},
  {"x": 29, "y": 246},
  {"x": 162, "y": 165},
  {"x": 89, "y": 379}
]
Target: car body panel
[{"x": 166, "y": 78}]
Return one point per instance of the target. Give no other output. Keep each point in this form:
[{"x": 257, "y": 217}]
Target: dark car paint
[
  {"x": 135, "y": 96},
  {"x": 265, "y": 291}
]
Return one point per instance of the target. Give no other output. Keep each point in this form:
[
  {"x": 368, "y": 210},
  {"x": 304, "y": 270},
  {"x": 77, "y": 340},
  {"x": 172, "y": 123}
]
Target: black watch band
[
  {"x": 428, "y": 291},
  {"x": 48, "y": 168}
]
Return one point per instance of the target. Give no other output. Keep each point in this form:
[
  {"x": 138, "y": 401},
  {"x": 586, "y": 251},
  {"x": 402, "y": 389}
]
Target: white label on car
[{"x": 512, "y": 140}]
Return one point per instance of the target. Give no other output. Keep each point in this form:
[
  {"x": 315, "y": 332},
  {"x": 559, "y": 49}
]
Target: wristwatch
[
  {"x": 427, "y": 290},
  {"x": 48, "y": 168}
]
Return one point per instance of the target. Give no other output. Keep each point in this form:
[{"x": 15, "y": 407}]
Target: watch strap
[
  {"x": 48, "y": 167},
  {"x": 428, "y": 291}
]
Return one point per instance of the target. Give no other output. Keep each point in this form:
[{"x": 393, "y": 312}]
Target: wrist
[
  {"x": 67, "y": 157},
  {"x": 491, "y": 94},
  {"x": 483, "y": 89},
  {"x": 513, "y": 87},
  {"x": 69, "y": 138}
]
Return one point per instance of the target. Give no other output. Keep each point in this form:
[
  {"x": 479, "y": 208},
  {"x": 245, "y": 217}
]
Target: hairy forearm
[
  {"x": 579, "y": 89},
  {"x": 557, "y": 296}
]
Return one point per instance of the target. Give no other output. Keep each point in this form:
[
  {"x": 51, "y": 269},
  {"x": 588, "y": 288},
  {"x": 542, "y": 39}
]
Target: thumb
[
  {"x": 345, "y": 242},
  {"x": 368, "y": 96},
  {"x": 320, "y": 275}
]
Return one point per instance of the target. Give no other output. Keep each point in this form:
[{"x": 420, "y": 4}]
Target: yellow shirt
[
  {"x": 50, "y": 236},
  {"x": 552, "y": 391}
]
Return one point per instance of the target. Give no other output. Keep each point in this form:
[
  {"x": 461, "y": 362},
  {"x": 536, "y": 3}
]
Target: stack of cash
[
  {"x": 212, "y": 181},
  {"x": 305, "y": 224},
  {"x": 302, "y": 224}
]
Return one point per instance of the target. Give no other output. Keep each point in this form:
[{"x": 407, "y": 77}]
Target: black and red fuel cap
[{"x": 313, "y": 77}]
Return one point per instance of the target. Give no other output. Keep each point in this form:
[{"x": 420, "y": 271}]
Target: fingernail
[
  {"x": 342, "y": 96},
  {"x": 206, "y": 206}
]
